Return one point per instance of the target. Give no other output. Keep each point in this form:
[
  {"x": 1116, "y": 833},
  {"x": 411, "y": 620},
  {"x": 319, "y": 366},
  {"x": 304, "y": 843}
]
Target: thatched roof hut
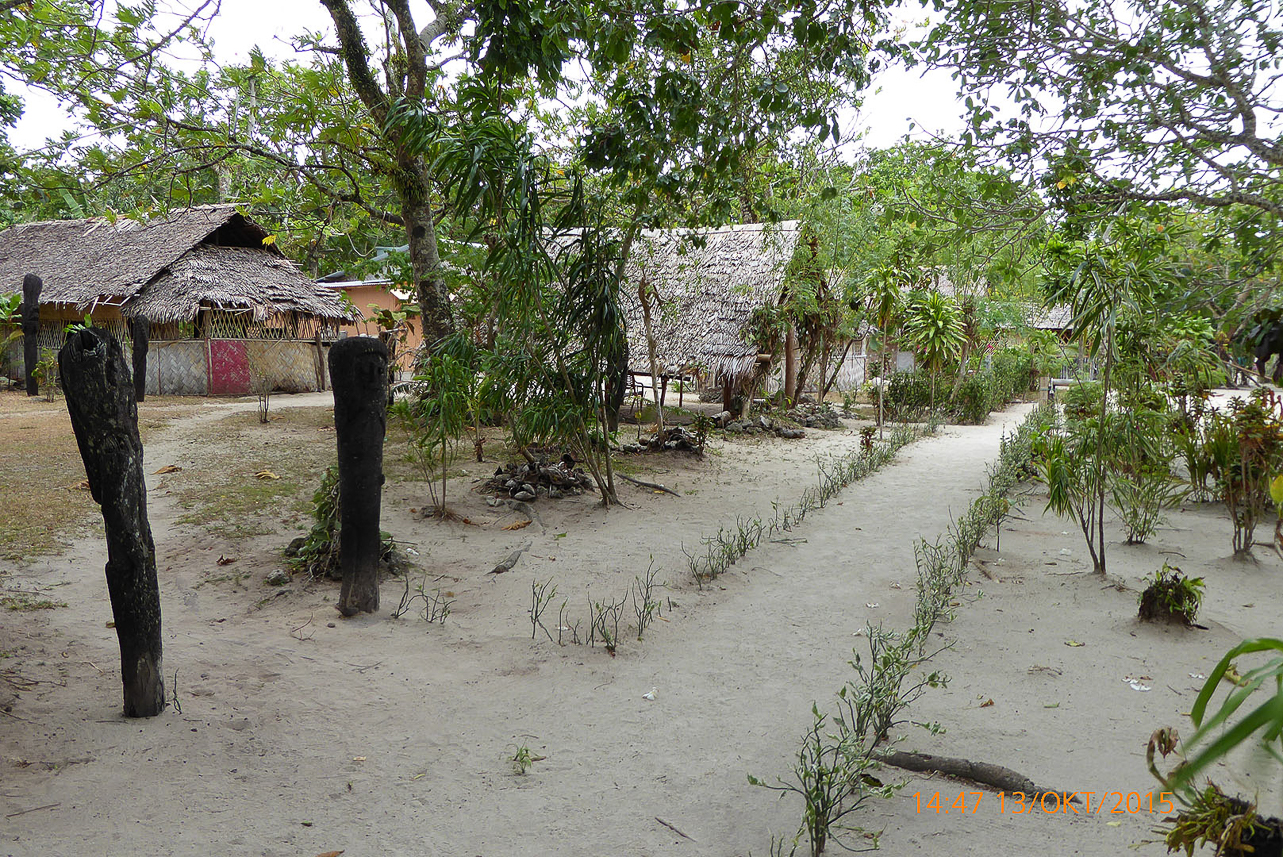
[
  {"x": 165, "y": 270},
  {"x": 709, "y": 282},
  {"x": 1058, "y": 318}
]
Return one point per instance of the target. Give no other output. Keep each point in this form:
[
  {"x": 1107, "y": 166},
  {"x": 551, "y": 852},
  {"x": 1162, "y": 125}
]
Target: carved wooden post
[
  {"x": 140, "y": 331},
  {"x": 104, "y": 417},
  {"x": 31, "y": 286},
  {"x": 359, "y": 376},
  {"x": 388, "y": 338}
]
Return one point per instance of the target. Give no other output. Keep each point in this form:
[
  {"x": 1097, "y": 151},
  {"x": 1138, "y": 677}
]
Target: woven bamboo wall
[{"x": 202, "y": 367}]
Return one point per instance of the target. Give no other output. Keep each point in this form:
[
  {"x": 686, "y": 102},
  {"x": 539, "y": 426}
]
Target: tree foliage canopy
[{"x": 1148, "y": 100}]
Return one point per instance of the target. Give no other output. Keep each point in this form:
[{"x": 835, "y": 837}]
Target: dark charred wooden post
[
  {"x": 140, "y": 331},
  {"x": 388, "y": 338},
  {"x": 31, "y": 286},
  {"x": 104, "y": 417},
  {"x": 359, "y": 376}
]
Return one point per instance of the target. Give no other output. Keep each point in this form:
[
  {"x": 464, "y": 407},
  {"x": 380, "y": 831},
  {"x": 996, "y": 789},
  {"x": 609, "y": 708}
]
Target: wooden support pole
[
  {"x": 31, "y": 286},
  {"x": 320, "y": 363},
  {"x": 104, "y": 417},
  {"x": 790, "y": 367},
  {"x": 140, "y": 332},
  {"x": 359, "y": 374}
]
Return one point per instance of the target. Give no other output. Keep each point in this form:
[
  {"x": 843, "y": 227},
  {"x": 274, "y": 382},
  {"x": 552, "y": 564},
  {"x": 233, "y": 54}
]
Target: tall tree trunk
[
  {"x": 790, "y": 366},
  {"x": 405, "y": 75},
  {"x": 882, "y": 380},
  {"x": 359, "y": 376},
  {"x": 104, "y": 417},
  {"x": 837, "y": 370},
  {"x": 643, "y": 294},
  {"x": 1100, "y": 452},
  {"x": 31, "y": 286},
  {"x": 436, "y": 316}
]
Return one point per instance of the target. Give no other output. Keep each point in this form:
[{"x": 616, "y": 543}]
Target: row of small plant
[
  {"x": 833, "y": 770},
  {"x": 730, "y": 544},
  {"x": 605, "y": 618}
]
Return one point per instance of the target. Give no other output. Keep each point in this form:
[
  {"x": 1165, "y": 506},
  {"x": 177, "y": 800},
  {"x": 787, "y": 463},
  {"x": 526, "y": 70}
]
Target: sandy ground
[{"x": 302, "y": 733}]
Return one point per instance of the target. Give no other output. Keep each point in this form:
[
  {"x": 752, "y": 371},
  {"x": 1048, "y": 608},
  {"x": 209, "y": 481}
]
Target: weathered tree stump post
[
  {"x": 359, "y": 376},
  {"x": 388, "y": 338},
  {"x": 31, "y": 286},
  {"x": 104, "y": 417},
  {"x": 140, "y": 331}
]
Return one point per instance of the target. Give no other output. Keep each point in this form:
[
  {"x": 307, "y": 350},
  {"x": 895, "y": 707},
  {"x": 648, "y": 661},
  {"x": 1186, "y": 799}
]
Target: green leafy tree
[
  {"x": 1105, "y": 280},
  {"x": 1139, "y": 100},
  {"x": 884, "y": 297},
  {"x": 933, "y": 326}
]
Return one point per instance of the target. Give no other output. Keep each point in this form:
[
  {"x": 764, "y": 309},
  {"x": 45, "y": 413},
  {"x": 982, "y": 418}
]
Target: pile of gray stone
[
  {"x": 819, "y": 416},
  {"x": 673, "y": 438},
  {"x": 527, "y": 481},
  {"x": 761, "y": 424}
]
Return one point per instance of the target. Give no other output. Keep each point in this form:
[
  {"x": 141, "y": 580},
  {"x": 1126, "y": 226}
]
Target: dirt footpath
[{"x": 302, "y": 733}]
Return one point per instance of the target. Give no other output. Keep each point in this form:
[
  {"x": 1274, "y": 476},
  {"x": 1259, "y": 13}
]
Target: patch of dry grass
[
  {"x": 220, "y": 485},
  {"x": 44, "y": 501},
  {"x": 41, "y": 473}
]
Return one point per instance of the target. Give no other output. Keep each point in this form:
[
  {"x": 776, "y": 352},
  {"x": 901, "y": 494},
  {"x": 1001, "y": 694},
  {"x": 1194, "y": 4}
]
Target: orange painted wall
[{"x": 365, "y": 294}]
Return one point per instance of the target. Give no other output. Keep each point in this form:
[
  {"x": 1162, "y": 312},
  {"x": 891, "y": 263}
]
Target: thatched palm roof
[
  {"x": 164, "y": 269},
  {"x": 707, "y": 293},
  {"x": 1058, "y": 317},
  {"x": 232, "y": 278}
]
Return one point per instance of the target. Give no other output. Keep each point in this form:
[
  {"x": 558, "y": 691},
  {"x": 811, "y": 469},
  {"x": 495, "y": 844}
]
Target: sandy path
[{"x": 383, "y": 737}]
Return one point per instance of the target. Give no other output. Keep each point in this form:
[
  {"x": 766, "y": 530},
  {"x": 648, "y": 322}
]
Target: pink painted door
[{"x": 228, "y": 368}]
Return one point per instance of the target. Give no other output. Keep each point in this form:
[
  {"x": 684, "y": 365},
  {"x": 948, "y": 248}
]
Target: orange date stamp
[{"x": 1051, "y": 803}]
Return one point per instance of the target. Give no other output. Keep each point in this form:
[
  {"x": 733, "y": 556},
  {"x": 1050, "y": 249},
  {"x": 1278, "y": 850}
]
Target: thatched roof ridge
[
  {"x": 1058, "y": 317},
  {"x": 232, "y": 278},
  {"x": 164, "y": 269},
  {"x": 707, "y": 293},
  {"x": 83, "y": 262}
]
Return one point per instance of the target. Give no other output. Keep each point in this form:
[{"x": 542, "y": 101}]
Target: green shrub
[
  {"x": 908, "y": 395},
  {"x": 974, "y": 399},
  {"x": 1012, "y": 369},
  {"x": 991, "y": 388},
  {"x": 1082, "y": 401},
  {"x": 1244, "y": 450},
  {"x": 1171, "y": 597}
]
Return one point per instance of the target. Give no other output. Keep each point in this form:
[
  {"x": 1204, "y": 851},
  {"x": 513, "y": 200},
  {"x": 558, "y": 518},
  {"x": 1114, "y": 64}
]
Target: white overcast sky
[{"x": 899, "y": 97}]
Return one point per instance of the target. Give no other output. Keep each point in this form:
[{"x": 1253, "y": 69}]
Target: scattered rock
[
  {"x": 674, "y": 437},
  {"x": 791, "y": 433},
  {"x": 526, "y": 481},
  {"x": 815, "y": 416},
  {"x": 278, "y": 577}
]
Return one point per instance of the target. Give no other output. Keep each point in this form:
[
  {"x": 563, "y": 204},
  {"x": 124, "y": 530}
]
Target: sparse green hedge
[{"x": 908, "y": 394}]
